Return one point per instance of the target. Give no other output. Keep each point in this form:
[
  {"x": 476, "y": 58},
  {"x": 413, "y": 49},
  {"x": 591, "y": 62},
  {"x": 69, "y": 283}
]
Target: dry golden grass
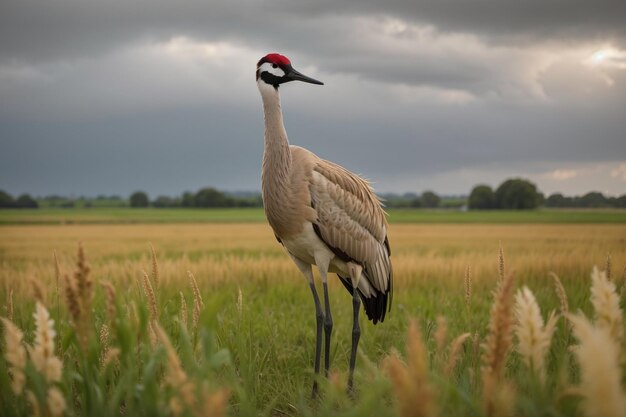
[{"x": 245, "y": 252}]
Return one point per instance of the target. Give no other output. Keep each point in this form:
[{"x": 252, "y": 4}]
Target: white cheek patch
[{"x": 267, "y": 67}]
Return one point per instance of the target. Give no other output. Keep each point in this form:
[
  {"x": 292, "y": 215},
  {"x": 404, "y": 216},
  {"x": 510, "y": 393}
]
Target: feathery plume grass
[
  {"x": 78, "y": 297},
  {"x": 34, "y": 404},
  {"x": 467, "y": 281},
  {"x": 42, "y": 352},
  {"x": 608, "y": 266},
  {"x": 217, "y": 402},
  {"x": 500, "y": 263},
  {"x": 533, "y": 336},
  {"x": 561, "y": 294},
  {"x": 9, "y": 305},
  {"x": 84, "y": 284},
  {"x": 149, "y": 292},
  {"x": 453, "y": 356},
  {"x": 155, "y": 268},
  {"x": 496, "y": 348},
  {"x": 499, "y": 334},
  {"x": 57, "y": 280},
  {"x": 111, "y": 355},
  {"x": 413, "y": 394},
  {"x": 55, "y": 402},
  {"x": 183, "y": 309},
  {"x": 600, "y": 371},
  {"x": 605, "y": 302},
  {"x": 15, "y": 355},
  {"x": 72, "y": 299},
  {"x": 175, "y": 376},
  {"x": 198, "y": 304},
  {"x": 38, "y": 290},
  {"x": 104, "y": 344},
  {"x": 109, "y": 296}
]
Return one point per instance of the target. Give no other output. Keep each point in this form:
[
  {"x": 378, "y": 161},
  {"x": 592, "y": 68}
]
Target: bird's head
[{"x": 275, "y": 69}]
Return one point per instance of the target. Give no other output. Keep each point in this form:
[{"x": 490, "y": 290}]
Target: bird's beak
[{"x": 294, "y": 75}]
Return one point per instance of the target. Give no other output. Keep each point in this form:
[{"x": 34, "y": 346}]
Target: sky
[{"x": 109, "y": 97}]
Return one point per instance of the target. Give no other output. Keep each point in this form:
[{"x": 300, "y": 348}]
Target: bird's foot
[{"x": 315, "y": 391}]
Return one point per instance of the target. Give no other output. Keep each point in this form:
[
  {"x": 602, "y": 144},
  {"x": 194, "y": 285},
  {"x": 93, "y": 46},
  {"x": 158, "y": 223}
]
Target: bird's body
[{"x": 323, "y": 214}]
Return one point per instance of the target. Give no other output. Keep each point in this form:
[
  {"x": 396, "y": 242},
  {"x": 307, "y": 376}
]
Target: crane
[{"x": 324, "y": 215}]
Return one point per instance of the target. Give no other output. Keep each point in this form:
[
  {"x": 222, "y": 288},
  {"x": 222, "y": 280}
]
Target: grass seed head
[
  {"x": 38, "y": 290},
  {"x": 605, "y": 302},
  {"x": 183, "y": 309},
  {"x": 15, "y": 355},
  {"x": 42, "y": 352},
  {"x": 109, "y": 296},
  {"x": 455, "y": 349},
  {"x": 533, "y": 336},
  {"x": 500, "y": 263},
  {"x": 499, "y": 335},
  {"x": 9, "y": 305},
  {"x": 600, "y": 370},
  {"x": 155, "y": 268},
  {"x": 411, "y": 389},
  {"x": 33, "y": 403},
  {"x": 84, "y": 284},
  {"x": 56, "y": 402},
  {"x": 561, "y": 294},
  {"x": 149, "y": 292},
  {"x": 497, "y": 346},
  {"x": 467, "y": 281}
]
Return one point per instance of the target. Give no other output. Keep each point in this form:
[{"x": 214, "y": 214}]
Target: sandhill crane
[{"x": 324, "y": 215}]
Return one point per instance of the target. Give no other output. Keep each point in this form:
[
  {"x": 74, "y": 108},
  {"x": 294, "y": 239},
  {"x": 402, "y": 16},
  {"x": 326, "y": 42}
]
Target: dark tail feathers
[{"x": 375, "y": 306}]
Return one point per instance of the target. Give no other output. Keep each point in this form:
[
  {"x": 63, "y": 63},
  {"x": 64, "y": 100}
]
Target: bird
[{"x": 324, "y": 216}]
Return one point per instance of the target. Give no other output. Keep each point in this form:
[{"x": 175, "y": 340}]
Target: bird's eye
[{"x": 274, "y": 66}]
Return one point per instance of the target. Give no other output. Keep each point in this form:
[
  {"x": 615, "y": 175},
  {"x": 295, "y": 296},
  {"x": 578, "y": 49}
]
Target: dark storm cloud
[
  {"x": 159, "y": 95},
  {"x": 31, "y": 29}
]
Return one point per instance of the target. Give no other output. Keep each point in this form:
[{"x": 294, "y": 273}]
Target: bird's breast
[{"x": 307, "y": 246}]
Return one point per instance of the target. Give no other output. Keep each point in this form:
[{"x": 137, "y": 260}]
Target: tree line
[
  {"x": 512, "y": 194},
  {"x": 520, "y": 194}
]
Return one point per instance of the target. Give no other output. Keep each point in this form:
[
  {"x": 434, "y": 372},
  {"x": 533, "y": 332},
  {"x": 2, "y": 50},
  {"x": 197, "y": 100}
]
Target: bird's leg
[
  {"x": 328, "y": 325},
  {"x": 319, "y": 318},
  {"x": 355, "y": 275}
]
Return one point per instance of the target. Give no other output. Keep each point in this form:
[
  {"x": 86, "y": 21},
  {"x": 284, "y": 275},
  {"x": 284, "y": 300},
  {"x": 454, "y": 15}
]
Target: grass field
[
  {"x": 255, "y": 215},
  {"x": 251, "y": 350}
]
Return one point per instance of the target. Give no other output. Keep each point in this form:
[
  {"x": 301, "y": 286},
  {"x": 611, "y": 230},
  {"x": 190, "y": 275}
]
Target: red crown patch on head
[{"x": 278, "y": 59}]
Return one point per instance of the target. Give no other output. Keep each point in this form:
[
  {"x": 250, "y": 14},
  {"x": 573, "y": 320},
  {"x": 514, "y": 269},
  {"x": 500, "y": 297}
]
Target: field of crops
[{"x": 213, "y": 319}]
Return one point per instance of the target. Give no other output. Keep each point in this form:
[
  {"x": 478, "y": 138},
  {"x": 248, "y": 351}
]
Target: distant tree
[
  {"x": 517, "y": 194},
  {"x": 416, "y": 202},
  {"x": 593, "y": 199},
  {"x": 139, "y": 199},
  {"x": 430, "y": 200},
  {"x": 558, "y": 200},
  {"x": 163, "y": 201},
  {"x": 620, "y": 201},
  {"x": 26, "y": 201},
  {"x": 6, "y": 200},
  {"x": 482, "y": 197},
  {"x": 210, "y": 197},
  {"x": 187, "y": 199}
]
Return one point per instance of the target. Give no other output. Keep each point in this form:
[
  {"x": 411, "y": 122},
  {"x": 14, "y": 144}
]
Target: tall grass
[{"x": 245, "y": 347}]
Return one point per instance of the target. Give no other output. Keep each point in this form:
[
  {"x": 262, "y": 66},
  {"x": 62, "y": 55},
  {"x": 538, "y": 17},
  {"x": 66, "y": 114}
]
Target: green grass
[
  {"x": 252, "y": 215},
  {"x": 261, "y": 349}
]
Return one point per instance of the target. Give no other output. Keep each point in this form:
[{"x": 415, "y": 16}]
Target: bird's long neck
[{"x": 276, "y": 156}]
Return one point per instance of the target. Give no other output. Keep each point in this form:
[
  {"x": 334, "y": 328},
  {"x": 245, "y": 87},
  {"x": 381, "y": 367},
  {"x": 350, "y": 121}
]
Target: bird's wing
[{"x": 351, "y": 221}]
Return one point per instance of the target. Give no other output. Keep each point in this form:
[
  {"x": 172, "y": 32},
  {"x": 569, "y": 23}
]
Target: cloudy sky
[{"x": 108, "y": 97}]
